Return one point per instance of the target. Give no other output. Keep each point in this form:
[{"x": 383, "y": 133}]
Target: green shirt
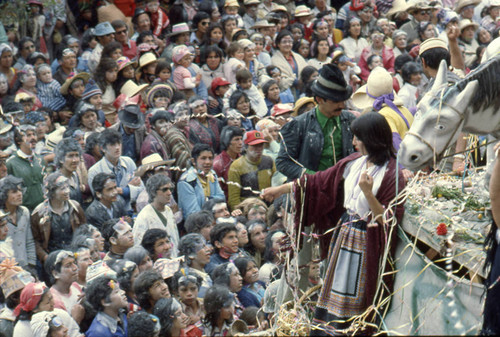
[{"x": 332, "y": 134}]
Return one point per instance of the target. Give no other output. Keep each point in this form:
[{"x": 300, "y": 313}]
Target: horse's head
[{"x": 437, "y": 123}]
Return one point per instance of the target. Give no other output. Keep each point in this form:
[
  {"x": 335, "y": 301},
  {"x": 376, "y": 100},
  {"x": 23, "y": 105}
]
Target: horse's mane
[{"x": 488, "y": 76}]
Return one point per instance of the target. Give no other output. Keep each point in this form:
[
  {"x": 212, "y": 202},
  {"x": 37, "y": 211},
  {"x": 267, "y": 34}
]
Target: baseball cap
[
  {"x": 254, "y": 137},
  {"x": 218, "y": 82}
]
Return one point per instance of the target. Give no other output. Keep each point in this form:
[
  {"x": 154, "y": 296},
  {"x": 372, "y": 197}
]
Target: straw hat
[
  {"x": 379, "y": 83},
  {"x": 69, "y": 81},
  {"x": 300, "y": 103},
  {"x": 302, "y": 10},
  {"x": 130, "y": 89},
  {"x": 432, "y": 43},
  {"x": 231, "y": 3},
  {"x": 416, "y": 5},
  {"x": 464, "y": 3},
  {"x": 262, "y": 24},
  {"x": 151, "y": 162},
  {"x": 467, "y": 23},
  {"x": 146, "y": 59}
]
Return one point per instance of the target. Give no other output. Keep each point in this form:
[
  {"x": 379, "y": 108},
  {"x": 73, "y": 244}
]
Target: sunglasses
[
  {"x": 425, "y": 12},
  {"x": 118, "y": 32},
  {"x": 165, "y": 189},
  {"x": 205, "y": 23}
]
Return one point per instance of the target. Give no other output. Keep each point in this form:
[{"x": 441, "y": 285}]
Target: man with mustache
[
  {"x": 26, "y": 165},
  {"x": 319, "y": 138}
]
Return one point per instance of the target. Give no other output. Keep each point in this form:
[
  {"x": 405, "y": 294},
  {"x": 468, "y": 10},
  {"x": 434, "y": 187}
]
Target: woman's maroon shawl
[{"x": 323, "y": 206}]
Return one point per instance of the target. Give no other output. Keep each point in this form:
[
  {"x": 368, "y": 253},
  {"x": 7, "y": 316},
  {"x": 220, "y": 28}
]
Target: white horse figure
[{"x": 472, "y": 105}]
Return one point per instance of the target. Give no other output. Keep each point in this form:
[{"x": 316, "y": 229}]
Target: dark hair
[
  {"x": 314, "y": 49},
  {"x": 91, "y": 141},
  {"x": 215, "y": 299},
  {"x": 243, "y": 75},
  {"x": 26, "y": 315},
  {"x": 50, "y": 265},
  {"x": 235, "y": 97},
  {"x": 108, "y": 231},
  {"x": 150, "y": 237},
  {"x": 100, "y": 180},
  {"x": 161, "y": 65},
  {"x": 124, "y": 270},
  {"x": 249, "y": 315},
  {"x": 141, "y": 324},
  {"x": 191, "y": 277},
  {"x": 219, "y": 232},
  {"x": 283, "y": 33},
  {"x": 266, "y": 86},
  {"x": 370, "y": 59},
  {"x": 295, "y": 26},
  {"x": 401, "y": 60},
  {"x": 97, "y": 291},
  {"x": 111, "y": 47},
  {"x": 198, "y": 220},
  {"x": 165, "y": 309},
  {"x": 242, "y": 264},
  {"x": 199, "y": 148},
  {"x": 306, "y": 73},
  {"x": 221, "y": 275},
  {"x": 233, "y": 48},
  {"x": 87, "y": 37},
  {"x": 208, "y": 42},
  {"x": 142, "y": 284},
  {"x": 375, "y": 133},
  {"x": 109, "y": 137},
  {"x": 422, "y": 26},
  {"x": 226, "y": 136},
  {"x": 347, "y": 26},
  {"x": 409, "y": 69},
  {"x": 188, "y": 245},
  {"x": 211, "y": 49},
  {"x": 118, "y": 24},
  {"x": 142, "y": 35},
  {"x": 105, "y": 64},
  {"x": 63, "y": 147},
  {"x": 434, "y": 56},
  {"x": 198, "y": 17},
  {"x": 7, "y": 184},
  {"x": 21, "y": 43}
]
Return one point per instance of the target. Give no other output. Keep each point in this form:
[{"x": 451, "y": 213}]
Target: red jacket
[{"x": 387, "y": 59}]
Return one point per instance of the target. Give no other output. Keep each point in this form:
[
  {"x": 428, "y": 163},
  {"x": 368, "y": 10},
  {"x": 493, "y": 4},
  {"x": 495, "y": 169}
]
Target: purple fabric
[{"x": 387, "y": 99}]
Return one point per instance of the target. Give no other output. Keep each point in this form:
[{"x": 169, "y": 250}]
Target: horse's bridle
[{"x": 441, "y": 103}]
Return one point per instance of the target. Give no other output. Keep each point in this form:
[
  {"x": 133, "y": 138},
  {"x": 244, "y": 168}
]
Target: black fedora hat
[
  {"x": 131, "y": 116},
  {"x": 331, "y": 84}
]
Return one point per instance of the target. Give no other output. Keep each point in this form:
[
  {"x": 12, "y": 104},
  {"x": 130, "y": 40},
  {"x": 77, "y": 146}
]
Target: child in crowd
[
  {"x": 219, "y": 311},
  {"x": 286, "y": 95},
  {"x": 348, "y": 68},
  {"x": 231, "y": 7},
  {"x": 186, "y": 286},
  {"x": 218, "y": 88},
  {"x": 244, "y": 83},
  {"x": 159, "y": 19},
  {"x": 183, "y": 79},
  {"x": 235, "y": 62},
  {"x": 164, "y": 73},
  {"x": 126, "y": 71},
  {"x": 49, "y": 89}
]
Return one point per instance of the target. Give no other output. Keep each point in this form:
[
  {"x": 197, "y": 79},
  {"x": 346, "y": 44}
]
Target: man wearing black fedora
[
  {"x": 317, "y": 139},
  {"x": 131, "y": 127}
]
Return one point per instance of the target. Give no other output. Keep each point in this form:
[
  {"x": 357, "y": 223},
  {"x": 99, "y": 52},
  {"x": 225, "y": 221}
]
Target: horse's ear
[
  {"x": 464, "y": 98},
  {"x": 440, "y": 77}
]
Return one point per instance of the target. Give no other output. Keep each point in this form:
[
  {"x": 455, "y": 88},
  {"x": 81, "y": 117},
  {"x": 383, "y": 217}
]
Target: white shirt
[{"x": 354, "y": 199}]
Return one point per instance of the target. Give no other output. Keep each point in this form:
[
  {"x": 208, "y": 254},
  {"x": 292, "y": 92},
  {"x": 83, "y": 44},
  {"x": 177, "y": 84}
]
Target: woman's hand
[{"x": 366, "y": 183}]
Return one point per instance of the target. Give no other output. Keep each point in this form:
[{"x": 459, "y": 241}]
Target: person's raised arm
[
  {"x": 456, "y": 58},
  {"x": 495, "y": 190}
]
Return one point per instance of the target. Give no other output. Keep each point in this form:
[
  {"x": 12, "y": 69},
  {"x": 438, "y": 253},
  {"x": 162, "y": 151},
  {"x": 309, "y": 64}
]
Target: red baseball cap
[
  {"x": 218, "y": 82},
  {"x": 281, "y": 108},
  {"x": 254, "y": 137}
]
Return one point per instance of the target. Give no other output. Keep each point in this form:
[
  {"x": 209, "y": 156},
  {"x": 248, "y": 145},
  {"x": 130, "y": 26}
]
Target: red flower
[{"x": 442, "y": 229}]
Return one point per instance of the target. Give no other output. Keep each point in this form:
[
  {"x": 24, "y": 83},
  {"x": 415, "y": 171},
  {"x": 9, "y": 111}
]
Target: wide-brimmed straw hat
[
  {"x": 130, "y": 88},
  {"x": 416, "y": 5},
  {"x": 151, "y": 162},
  {"x": 467, "y": 23},
  {"x": 464, "y": 3},
  {"x": 146, "y": 59},
  {"x": 262, "y": 24},
  {"x": 69, "y": 81},
  {"x": 331, "y": 84},
  {"x": 379, "y": 83}
]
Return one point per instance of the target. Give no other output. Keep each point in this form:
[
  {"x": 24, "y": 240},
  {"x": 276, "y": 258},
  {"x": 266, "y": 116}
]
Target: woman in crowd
[
  {"x": 105, "y": 75},
  {"x": 353, "y": 43},
  {"x": 212, "y": 59},
  {"x": 6, "y": 62},
  {"x": 290, "y": 71},
  {"x": 257, "y": 233},
  {"x": 271, "y": 92},
  {"x": 27, "y": 84},
  {"x": 252, "y": 292},
  {"x": 140, "y": 257},
  {"x": 173, "y": 320},
  {"x": 214, "y": 36},
  {"x": 87, "y": 119},
  {"x": 241, "y": 103},
  {"x": 370, "y": 180},
  {"x": 320, "y": 51}
]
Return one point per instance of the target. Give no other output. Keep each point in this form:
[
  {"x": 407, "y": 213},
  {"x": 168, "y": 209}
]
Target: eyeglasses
[
  {"x": 165, "y": 189},
  {"x": 287, "y": 41},
  {"x": 205, "y": 23},
  {"x": 118, "y": 32},
  {"x": 367, "y": 10},
  {"x": 425, "y": 12}
]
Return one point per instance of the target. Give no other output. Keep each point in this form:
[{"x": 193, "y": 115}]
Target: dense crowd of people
[{"x": 150, "y": 152}]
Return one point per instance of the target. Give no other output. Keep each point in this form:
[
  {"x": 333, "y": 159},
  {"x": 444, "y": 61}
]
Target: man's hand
[
  {"x": 136, "y": 181},
  {"x": 236, "y": 212}
]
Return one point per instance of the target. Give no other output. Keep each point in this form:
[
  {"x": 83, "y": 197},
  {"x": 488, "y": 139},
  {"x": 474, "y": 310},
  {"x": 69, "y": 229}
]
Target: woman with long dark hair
[{"x": 353, "y": 198}]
